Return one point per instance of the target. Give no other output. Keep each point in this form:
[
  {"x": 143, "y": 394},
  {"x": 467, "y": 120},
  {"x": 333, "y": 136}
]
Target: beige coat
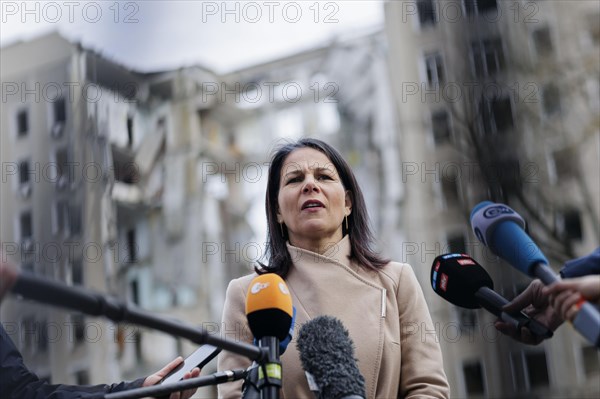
[{"x": 385, "y": 313}]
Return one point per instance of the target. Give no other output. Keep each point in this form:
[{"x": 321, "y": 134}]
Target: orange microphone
[
  {"x": 270, "y": 314},
  {"x": 269, "y": 307}
]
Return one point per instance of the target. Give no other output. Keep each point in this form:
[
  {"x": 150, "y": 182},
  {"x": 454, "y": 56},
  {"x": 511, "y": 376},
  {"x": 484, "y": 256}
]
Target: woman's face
[{"x": 312, "y": 200}]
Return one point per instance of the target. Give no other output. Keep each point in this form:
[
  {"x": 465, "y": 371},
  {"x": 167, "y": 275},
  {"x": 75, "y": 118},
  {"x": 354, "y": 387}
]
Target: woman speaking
[{"x": 319, "y": 242}]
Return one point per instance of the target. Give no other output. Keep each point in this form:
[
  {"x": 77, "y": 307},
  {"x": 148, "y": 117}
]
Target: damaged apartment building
[
  {"x": 499, "y": 100},
  {"x": 100, "y": 189}
]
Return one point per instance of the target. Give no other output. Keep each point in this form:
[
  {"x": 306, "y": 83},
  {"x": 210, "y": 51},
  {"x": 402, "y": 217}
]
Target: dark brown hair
[{"x": 361, "y": 237}]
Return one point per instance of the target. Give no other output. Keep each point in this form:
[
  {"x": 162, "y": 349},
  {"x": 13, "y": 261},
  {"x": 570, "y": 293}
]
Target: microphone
[
  {"x": 157, "y": 391},
  {"x": 500, "y": 228},
  {"x": 290, "y": 335},
  {"x": 462, "y": 281},
  {"x": 55, "y": 293},
  {"x": 270, "y": 312},
  {"x": 250, "y": 389},
  {"x": 327, "y": 353}
]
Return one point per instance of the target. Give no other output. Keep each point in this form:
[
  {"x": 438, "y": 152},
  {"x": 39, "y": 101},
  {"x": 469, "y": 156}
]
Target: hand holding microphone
[
  {"x": 551, "y": 304},
  {"x": 533, "y": 302},
  {"x": 460, "y": 280},
  {"x": 566, "y": 294},
  {"x": 501, "y": 229}
]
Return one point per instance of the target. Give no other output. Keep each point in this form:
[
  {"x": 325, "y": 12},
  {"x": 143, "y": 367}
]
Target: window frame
[
  {"x": 492, "y": 116},
  {"x": 476, "y": 10},
  {"x": 481, "y": 363},
  {"x": 484, "y": 45},
  {"x": 434, "y": 17},
  {"x": 16, "y": 124},
  {"x": 445, "y": 140},
  {"x": 439, "y": 66}
]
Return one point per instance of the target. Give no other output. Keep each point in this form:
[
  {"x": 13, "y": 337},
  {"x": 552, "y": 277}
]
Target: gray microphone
[{"x": 327, "y": 354}]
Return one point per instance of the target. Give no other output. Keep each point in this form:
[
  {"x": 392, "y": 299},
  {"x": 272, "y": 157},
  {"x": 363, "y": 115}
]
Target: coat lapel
[{"x": 330, "y": 284}]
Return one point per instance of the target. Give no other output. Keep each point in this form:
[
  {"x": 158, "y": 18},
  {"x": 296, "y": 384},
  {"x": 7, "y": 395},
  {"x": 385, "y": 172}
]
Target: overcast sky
[{"x": 221, "y": 35}]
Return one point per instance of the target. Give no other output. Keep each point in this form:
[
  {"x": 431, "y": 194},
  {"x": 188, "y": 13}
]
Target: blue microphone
[{"x": 500, "y": 228}]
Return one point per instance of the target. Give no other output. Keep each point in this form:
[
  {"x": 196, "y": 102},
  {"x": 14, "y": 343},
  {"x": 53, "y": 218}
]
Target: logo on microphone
[
  {"x": 464, "y": 262},
  {"x": 444, "y": 282},
  {"x": 497, "y": 210},
  {"x": 257, "y": 287},
  {"x": 283, "y": 289}
]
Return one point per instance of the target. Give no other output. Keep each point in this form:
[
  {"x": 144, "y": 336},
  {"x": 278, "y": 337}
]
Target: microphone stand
[
  {"x": 157, "y": 391},
  {"x": 89, "y": 302},
  {"x": 250, "y": 388},
  {"x": 269, "y": 372}
]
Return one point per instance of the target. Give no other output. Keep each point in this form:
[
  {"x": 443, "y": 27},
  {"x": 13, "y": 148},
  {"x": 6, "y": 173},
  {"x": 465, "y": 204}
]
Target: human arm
[
  {"x": 586, "y": 265},
  {"x": 17, "y": 381},
  {"x": 234, "y": 326},
  {"x": 422, "y": 372},
  {"x": 159, "y": 375}
]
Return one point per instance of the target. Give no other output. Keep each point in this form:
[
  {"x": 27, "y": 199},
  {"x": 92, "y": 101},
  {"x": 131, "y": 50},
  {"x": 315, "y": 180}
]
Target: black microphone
[
  {"x": 156, "y": 391},
  {"x": 92, "y": 303},
  {"x": 57, "y": 293},
  {"x": 327, "y": 353},
  {"x": 250, "y": 388},
  {"x": 270, "y": 312},
  {"x": 460, "y": 280}
]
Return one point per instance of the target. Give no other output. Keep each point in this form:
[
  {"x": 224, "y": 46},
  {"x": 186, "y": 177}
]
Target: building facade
[
  {"x": 498, "y": 100},
  {"x": 100, "y": 190}
]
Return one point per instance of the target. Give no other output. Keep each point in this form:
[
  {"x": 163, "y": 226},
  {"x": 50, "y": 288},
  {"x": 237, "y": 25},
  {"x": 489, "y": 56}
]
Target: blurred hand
[
  {"x": 8, "y": 275},
  {"x": 565, "y": 294},
  {"x": 534, "y": 303},
  {"x": 159, "y": 375}
]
